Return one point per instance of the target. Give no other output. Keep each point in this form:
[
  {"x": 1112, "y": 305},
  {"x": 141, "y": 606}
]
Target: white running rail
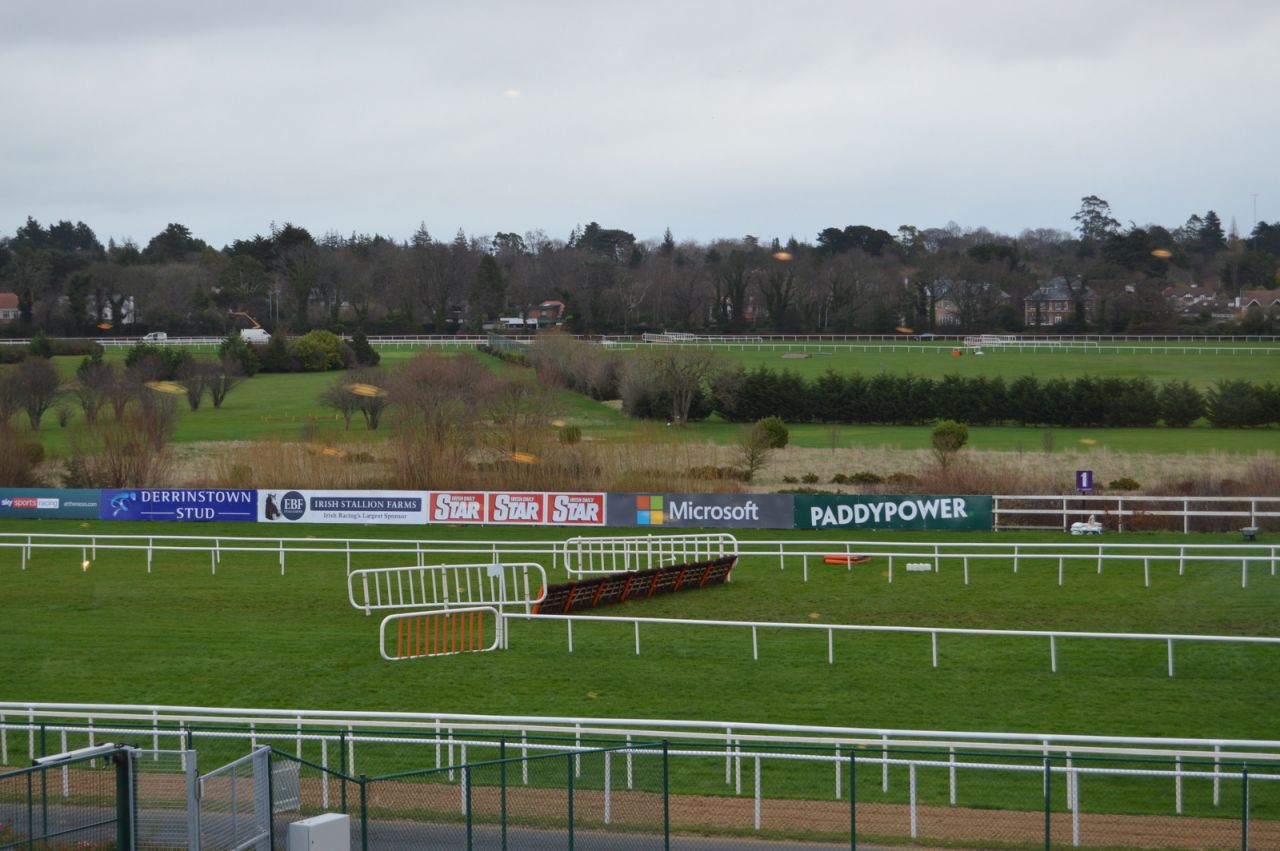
[
  {"x": 932, "y": 631},
  {"x": 447, "y": 586}
]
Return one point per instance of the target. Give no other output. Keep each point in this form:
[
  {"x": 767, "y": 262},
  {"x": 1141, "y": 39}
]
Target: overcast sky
[{"x": 717, "y": 119}]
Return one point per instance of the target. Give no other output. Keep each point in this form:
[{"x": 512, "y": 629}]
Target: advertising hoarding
[
  {"x": 702, "y": 510},
  {"x": 34, "y": 503},
  {"x": 179, "y": 504},
  {"x": 329, "y": 506},
  {"x": 886, "y": 511},
  {"x": 516, "y": 508}
]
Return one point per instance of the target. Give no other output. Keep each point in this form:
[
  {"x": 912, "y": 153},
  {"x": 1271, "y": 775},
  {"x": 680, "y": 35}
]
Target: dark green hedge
[{"x": 1086, "y": 401}]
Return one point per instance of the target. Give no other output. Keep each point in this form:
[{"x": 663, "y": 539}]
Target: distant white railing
[
  {"x": 932, "y": 631},
  {"x": 1237, "y": 556},
  {"x": 1067, "y": 509}
]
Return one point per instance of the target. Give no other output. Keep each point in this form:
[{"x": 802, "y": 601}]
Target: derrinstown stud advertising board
[
  {"x": 327, "y": 506},
  {"x": 179, "y": 504},
  {"x": 893, "y": 512}
]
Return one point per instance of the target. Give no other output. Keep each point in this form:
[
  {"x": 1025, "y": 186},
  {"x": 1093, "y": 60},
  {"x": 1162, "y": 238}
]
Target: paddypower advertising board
[{"x": 883, "y": 511}]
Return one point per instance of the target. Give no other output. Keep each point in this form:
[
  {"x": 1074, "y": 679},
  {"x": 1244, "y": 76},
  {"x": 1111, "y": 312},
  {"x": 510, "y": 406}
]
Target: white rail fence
[
  {"x": 1114, "y": 511},
  {"x": 1241, "y": 557},
  {"x": 447, "y": 586},
  {"x": 933, "y": 632},
  {"x": 337, "y": 733}
]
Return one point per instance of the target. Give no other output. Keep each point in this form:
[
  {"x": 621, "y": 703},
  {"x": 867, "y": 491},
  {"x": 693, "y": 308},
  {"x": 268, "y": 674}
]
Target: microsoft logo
[{"x": 649, "y": 510}]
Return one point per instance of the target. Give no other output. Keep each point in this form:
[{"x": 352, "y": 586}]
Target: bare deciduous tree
[{"x": 35, "y": 384}]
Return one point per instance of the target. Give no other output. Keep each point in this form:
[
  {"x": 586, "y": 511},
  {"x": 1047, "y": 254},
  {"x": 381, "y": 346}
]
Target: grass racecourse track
[
  {"x": 285, "y": 406},
  {"x": 251, "y": 637}
]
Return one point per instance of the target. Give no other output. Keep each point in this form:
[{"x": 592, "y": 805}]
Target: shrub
[
  {"x": 1124, "y": 483},
  {"x": 948, "y": 438},
  {"x": 156, "y": 363},
  {"x": 274, "y": 356},
  {"x": 317, "y": 351},
  {"x": 839, "y": 479},
  {"x": 1180, "y": 404},
  {"x": 235, "y": 349},
  {"x": 901, "y": 480},
  {"x": 40, "y": 347},
  {"x": 364, "y": 353},
  {"x": 775, "y": 432},
  {"x": 809, "y": 478},
  {"x": 791, "y": 480},
  {"x": 865, "y": 477},
  {"x": 570, "y": 435}
]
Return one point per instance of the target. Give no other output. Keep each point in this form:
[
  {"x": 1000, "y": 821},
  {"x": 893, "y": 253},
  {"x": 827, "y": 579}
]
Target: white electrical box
[{"x": 328, "y": 832}]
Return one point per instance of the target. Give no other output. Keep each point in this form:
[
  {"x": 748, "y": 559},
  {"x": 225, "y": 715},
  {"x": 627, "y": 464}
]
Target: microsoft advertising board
[{"x": 702, "y": 510}]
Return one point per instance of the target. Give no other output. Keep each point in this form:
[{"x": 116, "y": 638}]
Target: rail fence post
[
  {"x": 1047, "y": 803},
  {"x": 853, "y": 801},
  {"x": 1244, "y": 806},
  {"x": 666, "y": 798}
]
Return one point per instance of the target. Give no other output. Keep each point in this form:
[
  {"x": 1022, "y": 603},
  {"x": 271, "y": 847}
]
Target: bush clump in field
[
  {"x": 902, "y": 480},
  {"x": 319, "y": 351},
  {"x": 865, "y": 477},
  {"x": 1124, "y": 483},
  {"x": 570, "y": 434},
  {"x": 364, "y": 353},
  {"x": 775, "y": 431},
  {"x": 839, "y": 479}
]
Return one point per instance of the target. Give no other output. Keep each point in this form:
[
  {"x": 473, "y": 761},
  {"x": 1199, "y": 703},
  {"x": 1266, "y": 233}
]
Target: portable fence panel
[
  {"x": 61, "y": 806},
  {"x": 584, "y": 555},
  {"x": 446, "y": 586},
  {"x": 448, "y": 632}
]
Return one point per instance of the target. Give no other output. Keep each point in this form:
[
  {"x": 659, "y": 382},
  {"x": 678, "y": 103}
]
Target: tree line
[{"x": 848, "y": 279}]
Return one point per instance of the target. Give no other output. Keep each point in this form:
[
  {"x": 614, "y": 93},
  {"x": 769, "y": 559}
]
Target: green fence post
[
  {"x": 1047, "y": 824},
  {"x": 31, "y": 812},
  {"x": 124, "y": 808},
  {"x": 1244, "y": 806},
  {"x": 342, "y": 765},
  {"x": 853, "y": 801},
  {"x": 666, "y": 798},
  {"x": 502, "y": 786},
  {"x": 364, "y": 815},
  {"x": 466, "y": 780},
  {"x": 568, "y": 761},
  {"x": 44, "y": 788}
]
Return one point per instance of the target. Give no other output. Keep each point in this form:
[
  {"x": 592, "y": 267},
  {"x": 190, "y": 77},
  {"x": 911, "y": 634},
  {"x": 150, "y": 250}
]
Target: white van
[
  {"x": 155, "y": 337},
  {"x": 255, "y": 335}
]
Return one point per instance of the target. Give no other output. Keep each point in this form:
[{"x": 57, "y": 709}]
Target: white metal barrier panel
[
  {"x": 446, "y": 586},
  {"x": 446, "y": 632},
  {"x": 582, "y": 555}
]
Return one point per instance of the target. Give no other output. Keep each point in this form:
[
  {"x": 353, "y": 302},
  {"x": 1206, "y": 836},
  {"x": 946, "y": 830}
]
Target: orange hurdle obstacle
[{"x": 443, "y": 633}]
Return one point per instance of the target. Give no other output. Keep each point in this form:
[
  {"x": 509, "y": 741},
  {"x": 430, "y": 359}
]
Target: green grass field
[
  {"x": 1158, "y": 363},
  {"x": 250, "y": 637},
  {"x": 285, "y": 407}
]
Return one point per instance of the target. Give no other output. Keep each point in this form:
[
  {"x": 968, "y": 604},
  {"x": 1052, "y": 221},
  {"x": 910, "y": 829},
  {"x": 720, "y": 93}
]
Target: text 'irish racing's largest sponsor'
[{"x": 892, "y": 512}]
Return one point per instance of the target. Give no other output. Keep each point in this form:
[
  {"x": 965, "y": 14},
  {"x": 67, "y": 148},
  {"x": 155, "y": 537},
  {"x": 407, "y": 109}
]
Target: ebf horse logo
[{"x": 291, "y": 507}]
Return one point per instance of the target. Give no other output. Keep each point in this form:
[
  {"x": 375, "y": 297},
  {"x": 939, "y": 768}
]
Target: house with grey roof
[{"x": 1054, "y": 303}]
